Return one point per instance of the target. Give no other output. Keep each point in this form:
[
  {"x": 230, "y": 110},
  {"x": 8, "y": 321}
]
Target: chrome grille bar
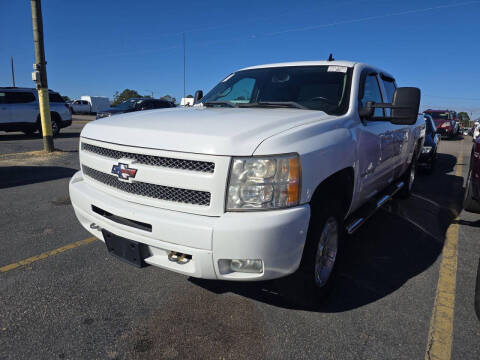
[
  {"x": 161, "y": 192},
  {"x": 192, "y": 165}
]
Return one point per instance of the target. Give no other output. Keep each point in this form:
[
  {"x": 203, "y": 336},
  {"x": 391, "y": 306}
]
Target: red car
[
  {"x": 445, "y": 122},
  {"x": 471, "y": 201}
]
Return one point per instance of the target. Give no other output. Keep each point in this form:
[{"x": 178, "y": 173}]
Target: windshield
[
  {"x": 324, "y": 88},
  {"x": 128, "y": 104},
  {"x": 439, "y": 115}
]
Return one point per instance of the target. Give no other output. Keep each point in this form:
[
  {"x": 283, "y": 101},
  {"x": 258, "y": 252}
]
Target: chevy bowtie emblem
[{"x": 123, "y": 171}]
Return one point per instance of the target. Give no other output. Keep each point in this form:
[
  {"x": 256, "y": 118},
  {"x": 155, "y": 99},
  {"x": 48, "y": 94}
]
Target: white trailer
[
  {"x": 186, "y": 101},
  {"x": 97, "y": 103}
]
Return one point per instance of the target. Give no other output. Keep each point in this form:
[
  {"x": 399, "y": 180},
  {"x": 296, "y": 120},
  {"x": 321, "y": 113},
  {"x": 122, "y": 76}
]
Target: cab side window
[
  {"x": 390, "y": 87},
  {"x": 371, "y": 92},
  {"x": 17, "y": 97}
]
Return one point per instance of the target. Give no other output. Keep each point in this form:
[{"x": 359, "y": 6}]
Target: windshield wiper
[
  {"x": 214, "y": 103},
  {"x": 289, "y": 104}
]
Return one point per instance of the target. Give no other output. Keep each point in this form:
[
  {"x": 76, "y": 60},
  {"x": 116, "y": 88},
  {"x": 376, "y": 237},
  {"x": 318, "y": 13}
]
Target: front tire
[{"x": 324, "y": 243}]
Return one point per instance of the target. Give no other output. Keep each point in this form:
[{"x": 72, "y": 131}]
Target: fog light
[{"x": 226, "y": 266}]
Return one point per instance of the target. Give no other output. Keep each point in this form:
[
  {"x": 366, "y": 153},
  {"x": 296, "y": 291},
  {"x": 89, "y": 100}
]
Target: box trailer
[{"x": 97, "y": 103}]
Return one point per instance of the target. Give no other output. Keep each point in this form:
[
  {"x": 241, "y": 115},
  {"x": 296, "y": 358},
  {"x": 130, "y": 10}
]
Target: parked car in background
[
  {"x": 444, "y": 122},
  {"x": 428, "y": 155},
  {"x": 136, "y": 104},
  {"x": 97, "y": 103},
  {"x": 19, "y": 110},
  {"x": 80, "y": 106},
  {"x": 472, "y": 190}
]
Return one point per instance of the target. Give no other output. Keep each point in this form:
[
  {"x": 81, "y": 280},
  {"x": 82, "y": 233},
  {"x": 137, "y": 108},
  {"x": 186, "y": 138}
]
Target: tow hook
[
  {"x": 94, "y": 226},
  {"x": 179, "y": 258}
]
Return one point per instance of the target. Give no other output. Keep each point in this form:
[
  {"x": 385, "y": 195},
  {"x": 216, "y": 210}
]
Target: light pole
[{"x": 40, "y": 75}]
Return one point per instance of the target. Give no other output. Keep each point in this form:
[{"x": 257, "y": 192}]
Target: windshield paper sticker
[{"x": 336, "y": 68}]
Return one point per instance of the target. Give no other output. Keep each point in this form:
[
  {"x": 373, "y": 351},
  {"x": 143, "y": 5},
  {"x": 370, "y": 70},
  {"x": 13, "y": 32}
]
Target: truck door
[
  {"x": 374, "y": 142},
  {"x": 399, "y": 133}
]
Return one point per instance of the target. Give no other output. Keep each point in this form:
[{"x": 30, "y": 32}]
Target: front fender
[{"x": 322, "y": 153}]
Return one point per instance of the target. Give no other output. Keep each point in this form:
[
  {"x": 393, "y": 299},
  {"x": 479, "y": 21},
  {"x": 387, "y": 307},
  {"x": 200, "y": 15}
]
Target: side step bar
[{"x": 357, "y": 219}]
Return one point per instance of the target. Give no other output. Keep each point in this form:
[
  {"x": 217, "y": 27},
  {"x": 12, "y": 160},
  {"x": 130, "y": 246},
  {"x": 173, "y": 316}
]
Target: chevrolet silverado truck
[{"x": 263, "y": 177}]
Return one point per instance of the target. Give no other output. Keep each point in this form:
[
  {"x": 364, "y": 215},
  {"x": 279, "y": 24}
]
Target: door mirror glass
[
  {"x": 405, "y": 106},
  {"x": 198, "y": 96}
]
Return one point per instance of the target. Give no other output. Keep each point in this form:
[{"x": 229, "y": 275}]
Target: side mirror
[
  {"x": 367, "y": 111},
  {"x": 405, "y": 106},
  {"x": 198, "y": 96}
]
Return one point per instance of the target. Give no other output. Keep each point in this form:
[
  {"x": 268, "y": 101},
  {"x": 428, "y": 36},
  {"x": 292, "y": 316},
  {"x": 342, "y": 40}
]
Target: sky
[{"x": 102, "y": 46}]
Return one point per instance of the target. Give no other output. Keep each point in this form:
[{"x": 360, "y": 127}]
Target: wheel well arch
[
  {"x": 53, "y": 114},
  {"x": 338, "y": 186}
]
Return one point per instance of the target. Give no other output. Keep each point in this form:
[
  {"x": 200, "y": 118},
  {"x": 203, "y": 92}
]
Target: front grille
[
  {"x": 150, "y": 190},
  {"x": 193, "y": 165}
]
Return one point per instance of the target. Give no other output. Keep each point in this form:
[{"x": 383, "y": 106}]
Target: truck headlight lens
[
  {"x": 271, "y": 182},
  {"x": 426, "y": 149}
]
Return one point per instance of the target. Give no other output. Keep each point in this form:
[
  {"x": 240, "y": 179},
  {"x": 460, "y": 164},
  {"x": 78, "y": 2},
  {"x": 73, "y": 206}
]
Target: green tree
[
  {"x": 169, "y": 98},
  {"x": 124, "y": 95},
  {"x": 65, "y": 98},
  {"x": 464, "y": 119}
]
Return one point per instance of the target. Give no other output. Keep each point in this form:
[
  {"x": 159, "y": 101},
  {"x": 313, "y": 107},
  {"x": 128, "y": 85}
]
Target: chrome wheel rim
[
  {"x": 412, "y": 177},
  {"x": 54, "y": 127},
  {"x": 326, "y": 252}
]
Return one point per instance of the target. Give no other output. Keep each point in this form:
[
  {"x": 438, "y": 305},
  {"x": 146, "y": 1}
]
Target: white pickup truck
[{"x": 263, "y": 176}]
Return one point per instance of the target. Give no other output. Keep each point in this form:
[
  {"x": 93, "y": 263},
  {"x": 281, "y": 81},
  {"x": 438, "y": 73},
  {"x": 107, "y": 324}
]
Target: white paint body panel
[{"x": 378, "y": 152}]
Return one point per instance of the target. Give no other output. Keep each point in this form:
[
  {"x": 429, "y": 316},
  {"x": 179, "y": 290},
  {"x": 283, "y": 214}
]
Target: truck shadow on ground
[
  {"x": 396, "y": 244},
  {"x": 17, "y": 136},
  {"x": 11, "y": 176}
]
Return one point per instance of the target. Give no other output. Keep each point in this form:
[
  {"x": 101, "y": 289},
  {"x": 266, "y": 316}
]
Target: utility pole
[
  {"x": 184, "y": 79},
  {"x": 13, "y": 71},
  {"x": 40, "y": 75}
]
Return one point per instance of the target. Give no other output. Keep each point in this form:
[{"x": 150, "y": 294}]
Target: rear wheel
[
  {"x": 55, "y": 121},
  {"x": 409, "y": 178},
  {"x": 469, "y": 203}
]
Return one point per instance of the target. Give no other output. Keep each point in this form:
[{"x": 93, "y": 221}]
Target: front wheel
[{"x": 321, "y": 253}]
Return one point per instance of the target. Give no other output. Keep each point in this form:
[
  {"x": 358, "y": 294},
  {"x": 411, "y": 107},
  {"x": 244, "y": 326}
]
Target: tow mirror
[
  {"x": 404, "y": 108},
  {"x": 367, "y": 111},
  {"x": 198, "y": 96}
]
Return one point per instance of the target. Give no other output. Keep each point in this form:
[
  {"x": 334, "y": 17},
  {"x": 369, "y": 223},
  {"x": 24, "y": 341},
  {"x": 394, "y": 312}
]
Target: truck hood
[{"x": 215, "y": 131}]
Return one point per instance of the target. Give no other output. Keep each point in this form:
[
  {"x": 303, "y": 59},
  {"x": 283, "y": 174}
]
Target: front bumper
[{"x": 276, "y": 237}]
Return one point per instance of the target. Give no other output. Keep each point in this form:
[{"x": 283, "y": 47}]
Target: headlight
[
  {"x": 426, "y": 149},
  {"x": 260, "y": 183}
]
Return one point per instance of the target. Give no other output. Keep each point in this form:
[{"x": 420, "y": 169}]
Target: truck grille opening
[
  {"x": 192, "y": 165},
  {"x": 161, "y": 192},
  {"x": 121, "y": 220}
]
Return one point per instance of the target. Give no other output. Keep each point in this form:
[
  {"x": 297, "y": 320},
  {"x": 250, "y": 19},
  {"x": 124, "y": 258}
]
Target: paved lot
[{"x": 78, "y": 302}]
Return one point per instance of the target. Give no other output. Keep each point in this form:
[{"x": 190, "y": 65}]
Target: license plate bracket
[{"x": 127, "y": 250}]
